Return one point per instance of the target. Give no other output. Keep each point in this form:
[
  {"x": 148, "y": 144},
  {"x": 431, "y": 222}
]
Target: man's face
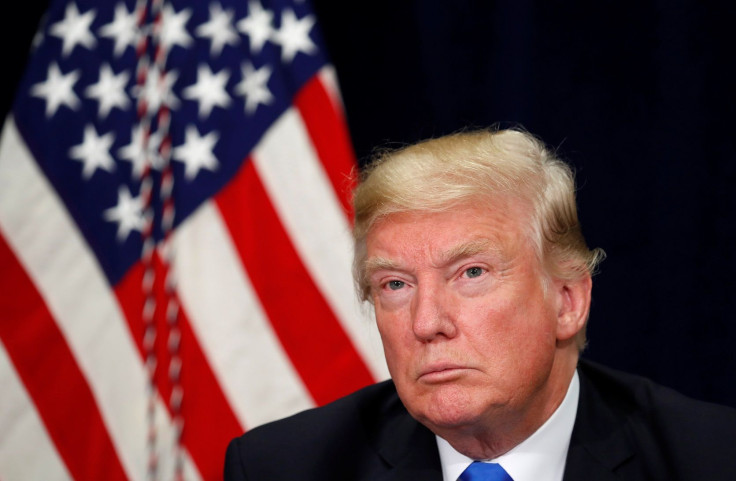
[{"x": 468, "y": 332}]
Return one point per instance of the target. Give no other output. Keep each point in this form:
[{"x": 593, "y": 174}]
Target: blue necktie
[{"x": 479, "y": 471}]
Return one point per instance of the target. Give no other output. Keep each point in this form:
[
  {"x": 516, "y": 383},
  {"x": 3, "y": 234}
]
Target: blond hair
[{"x": 437, "y": 174}]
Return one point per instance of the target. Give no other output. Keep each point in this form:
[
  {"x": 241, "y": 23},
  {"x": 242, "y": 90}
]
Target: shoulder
[
  {"x": 629, "y": 393},
  {"x": 333, "y": 436},
  {"x": 664, "y": 432},
  {"x": 359, "y": 409}
]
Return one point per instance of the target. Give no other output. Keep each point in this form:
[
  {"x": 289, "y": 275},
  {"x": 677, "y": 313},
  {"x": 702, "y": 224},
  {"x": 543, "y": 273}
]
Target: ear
[{"x": 573, "y": 305}]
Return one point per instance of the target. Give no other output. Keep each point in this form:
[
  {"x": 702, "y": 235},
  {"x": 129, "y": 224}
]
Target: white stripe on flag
[
  {"x": 55, "y": 255},
  {"x": 232, "y": 328},
  {"x": 28, "y": 452},
  {"x": 307, "y": 205},
  {"x": 328, "y": 78}
]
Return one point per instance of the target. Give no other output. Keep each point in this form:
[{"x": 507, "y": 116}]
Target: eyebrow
[
  {"x": 376, "y": 264},
  {"x": 468, "y": 249},
  {"x": 455, "y": 253}
]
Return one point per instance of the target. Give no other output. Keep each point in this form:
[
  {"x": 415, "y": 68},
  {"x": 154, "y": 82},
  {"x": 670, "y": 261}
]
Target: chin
[{"x": 449, "y": 407}]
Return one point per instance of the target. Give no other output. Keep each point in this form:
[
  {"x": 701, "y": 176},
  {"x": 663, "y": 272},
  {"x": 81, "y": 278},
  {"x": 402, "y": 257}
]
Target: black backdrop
[{"x": 639, "y": 96}]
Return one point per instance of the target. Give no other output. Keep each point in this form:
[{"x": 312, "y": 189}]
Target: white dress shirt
[{"x": 540, "y": 457}]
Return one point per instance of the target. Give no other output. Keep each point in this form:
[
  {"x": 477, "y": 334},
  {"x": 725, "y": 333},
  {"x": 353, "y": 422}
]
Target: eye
[
  {"x": 395, "y": 285},
  {"x": 474, "y": 272}
]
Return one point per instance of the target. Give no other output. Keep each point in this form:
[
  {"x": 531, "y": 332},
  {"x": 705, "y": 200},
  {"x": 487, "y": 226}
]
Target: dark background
[{"x": 639, "y": 96}]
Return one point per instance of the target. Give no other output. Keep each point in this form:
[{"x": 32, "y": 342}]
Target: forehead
[{"x": 461, "y": 231}]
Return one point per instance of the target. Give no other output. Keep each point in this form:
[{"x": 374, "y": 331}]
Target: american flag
[{"x": 174, "y": 238}]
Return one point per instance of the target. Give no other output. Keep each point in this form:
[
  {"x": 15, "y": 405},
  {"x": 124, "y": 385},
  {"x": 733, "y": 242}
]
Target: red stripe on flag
[
  {"x": 52, "y": 377},
  {"x": 210, "y": 421},
  {"x": 311, "y": 335},
  {"x": 329, "y": 134}
]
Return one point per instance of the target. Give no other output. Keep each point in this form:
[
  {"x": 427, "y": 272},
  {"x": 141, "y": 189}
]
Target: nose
[{"x": 433, "y": 314}]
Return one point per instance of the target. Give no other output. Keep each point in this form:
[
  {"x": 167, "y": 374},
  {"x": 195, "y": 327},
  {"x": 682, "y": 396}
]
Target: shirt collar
[{"x": 540, "y": 457}]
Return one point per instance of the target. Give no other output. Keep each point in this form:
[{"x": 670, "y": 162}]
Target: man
[{"x": 470, "y": 251}]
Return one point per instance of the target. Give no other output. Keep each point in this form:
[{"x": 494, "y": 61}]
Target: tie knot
[{"x": 479, "y": 471}]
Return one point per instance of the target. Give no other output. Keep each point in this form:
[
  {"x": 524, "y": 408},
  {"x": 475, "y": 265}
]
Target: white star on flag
[
  {"x": 139, "y": 155},
  {"x": 158, "y": 90},
  {"x": 74, "y": 29},
  {"x": 173, "y": 28},
  {"x": 109, "y": 90},
  {"x": 209, "y": 90},
  {"x": 94, "y": 152},
  {"x": 253, "y": 87},
  {"x": 123, "y": 29},
  {"x": 257, "y": 25},
  {"x": 128, "y": 213},
  {"x": 196, "y": 152},
  {"x": 293, "y": 35},
  {"x": 219, "y": 29},
  {"x": 57, "y": 89}
]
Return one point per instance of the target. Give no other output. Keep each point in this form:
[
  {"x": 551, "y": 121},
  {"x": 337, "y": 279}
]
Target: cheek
[
  {"x": 510, "y": 331},
  {"x": 394, "y": 338},
  {"x": 491, "y": 320}
]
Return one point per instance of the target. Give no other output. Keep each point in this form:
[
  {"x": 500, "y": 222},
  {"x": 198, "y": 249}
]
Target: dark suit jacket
[{"x": 627, "y": 428}]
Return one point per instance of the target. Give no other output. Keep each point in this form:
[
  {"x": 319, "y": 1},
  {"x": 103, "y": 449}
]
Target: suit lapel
[
  {"x": 599, "y": 445},
  {"x": 586, "y": 464},
  {"x": 408, "y": 448}
]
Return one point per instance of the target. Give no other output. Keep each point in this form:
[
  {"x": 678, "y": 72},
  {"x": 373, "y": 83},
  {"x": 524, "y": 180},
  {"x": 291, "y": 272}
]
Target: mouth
[{"x": 440, "y": 373}]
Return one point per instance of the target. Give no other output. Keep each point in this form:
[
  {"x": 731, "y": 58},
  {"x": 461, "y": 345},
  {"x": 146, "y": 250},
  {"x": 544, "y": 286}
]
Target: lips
[{"x": 441, "y": 372}]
